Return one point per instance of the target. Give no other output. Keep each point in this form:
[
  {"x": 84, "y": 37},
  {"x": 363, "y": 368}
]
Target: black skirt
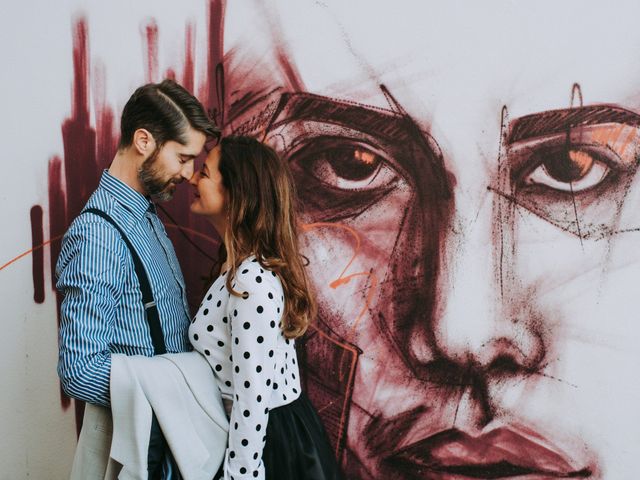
[{"x": 297, "y": 447}]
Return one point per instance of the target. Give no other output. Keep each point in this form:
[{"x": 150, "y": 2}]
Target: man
[
  {"x": 471, "y": 218},
  {"x": 163, "y": 129}
]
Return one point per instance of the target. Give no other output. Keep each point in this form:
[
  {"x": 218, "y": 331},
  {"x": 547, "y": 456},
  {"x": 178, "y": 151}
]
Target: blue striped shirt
[{"x": 102, "y": 311}]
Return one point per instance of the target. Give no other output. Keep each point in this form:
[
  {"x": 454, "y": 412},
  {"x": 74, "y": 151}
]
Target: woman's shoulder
[{"x": 252, "y": 274}]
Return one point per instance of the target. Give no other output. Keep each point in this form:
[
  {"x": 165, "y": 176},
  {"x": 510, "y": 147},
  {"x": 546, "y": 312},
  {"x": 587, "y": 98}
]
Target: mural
[{"x": 468, "y": 214}]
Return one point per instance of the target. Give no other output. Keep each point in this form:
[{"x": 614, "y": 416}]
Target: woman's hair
[{"x": 262, "y": 221}]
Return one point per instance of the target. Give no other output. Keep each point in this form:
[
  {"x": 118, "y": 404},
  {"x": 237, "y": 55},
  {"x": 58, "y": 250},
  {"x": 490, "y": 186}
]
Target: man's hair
[{"x": 166, "y": 110}]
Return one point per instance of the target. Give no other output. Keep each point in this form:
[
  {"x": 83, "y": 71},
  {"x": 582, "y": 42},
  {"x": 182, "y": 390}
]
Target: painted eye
[
  {"x": 573, "y": 169},
  {"x": 345, "y": 165}
]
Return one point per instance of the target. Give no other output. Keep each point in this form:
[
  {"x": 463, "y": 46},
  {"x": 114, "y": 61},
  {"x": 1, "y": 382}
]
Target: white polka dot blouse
[{"x": 254, "y": 364}]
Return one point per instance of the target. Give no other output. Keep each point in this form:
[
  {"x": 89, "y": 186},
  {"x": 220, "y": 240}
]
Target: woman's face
[
  {"x": 473, "y": 243},
  {"x": 210, "y": 194}
]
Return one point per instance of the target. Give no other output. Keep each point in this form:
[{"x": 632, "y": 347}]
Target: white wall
[{"x": 36, "y": 77}]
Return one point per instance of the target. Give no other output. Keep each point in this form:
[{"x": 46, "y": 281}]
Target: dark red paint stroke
[
  {"x": 212, "y": 98},
  {"x": 290, "y": 72},
  {"x": 37, "y": 239},
  {"x": 107, "y": 145},
  {"x": 79, "y": 139},
  {"x": 151, "y": 44},
  {"x": 57, "y": 226},
  {"x": 106, "y": 142},
  {"x": 57, "y": 209},
  {"x": 282, "y": 57},
  {"x": 189, "y": 49}
]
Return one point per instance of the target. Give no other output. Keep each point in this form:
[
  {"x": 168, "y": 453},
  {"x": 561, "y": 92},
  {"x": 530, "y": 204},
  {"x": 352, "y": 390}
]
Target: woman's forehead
[{"x": 213, "y": 158}]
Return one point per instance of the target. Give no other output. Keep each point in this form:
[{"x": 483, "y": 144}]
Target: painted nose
[{"x": 483, "y": 320}]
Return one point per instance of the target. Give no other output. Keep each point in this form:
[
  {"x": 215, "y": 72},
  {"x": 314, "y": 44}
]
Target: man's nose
[
  {"x": 193, "y": 180},
  {"x": 186, "y": 171}
]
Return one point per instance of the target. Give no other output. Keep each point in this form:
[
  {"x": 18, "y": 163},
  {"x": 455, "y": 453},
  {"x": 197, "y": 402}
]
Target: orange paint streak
[
  {"x": 630, "y": 137},
  {"x": 583, "y": 160},
  {"x": 54, "y": 239},
  {"x": 354, "y": 234},
  {"x": 612, "y": 136},
  {"x": 615, "y": 134},
  {"x": 347, "y": 368},
  {"x": 344, "y": 279},
  {"x": 608, "y": 135},
  {"x": 30, "y": 251}
]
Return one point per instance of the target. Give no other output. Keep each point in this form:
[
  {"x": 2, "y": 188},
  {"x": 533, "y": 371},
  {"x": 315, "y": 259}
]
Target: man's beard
[{"x": 154, "y": 183}]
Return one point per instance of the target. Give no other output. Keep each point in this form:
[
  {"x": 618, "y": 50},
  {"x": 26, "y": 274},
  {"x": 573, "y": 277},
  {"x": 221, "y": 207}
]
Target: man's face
[
  {"x": 469, "y": 191},
  {"x": 169, "y": 165}
]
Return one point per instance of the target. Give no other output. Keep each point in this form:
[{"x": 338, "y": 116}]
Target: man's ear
[{"x": 143, "y": 142}]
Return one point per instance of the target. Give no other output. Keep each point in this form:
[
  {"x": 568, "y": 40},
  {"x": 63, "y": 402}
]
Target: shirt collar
[{"x": 132, "y": 200}]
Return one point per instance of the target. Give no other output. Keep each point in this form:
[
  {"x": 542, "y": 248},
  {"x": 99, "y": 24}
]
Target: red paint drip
[
  {"x": 37, "y": 239},
  {"x": 57, "y": 226},
  {"x": 212, "y": 97},
  {"x": 57, "y": 209},
  {"x": 80, "y": 109},
  {"x": 79, "y": 139},
  {"x": 151, "y": 38},
  {"x": 189, "y": 49},
  {"x": 291, "y": 73},
  {"x": 106, "y": 142}
]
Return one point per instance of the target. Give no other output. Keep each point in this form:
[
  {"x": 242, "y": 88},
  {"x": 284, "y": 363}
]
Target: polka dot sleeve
[{"x": 254, "y": 332}]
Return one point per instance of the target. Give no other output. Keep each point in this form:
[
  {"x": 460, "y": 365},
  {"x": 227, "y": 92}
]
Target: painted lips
[{"x": 499, "y": 454}]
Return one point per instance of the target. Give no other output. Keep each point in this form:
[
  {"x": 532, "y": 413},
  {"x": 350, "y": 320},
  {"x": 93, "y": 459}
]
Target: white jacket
[{"x": 181, "y": 390}]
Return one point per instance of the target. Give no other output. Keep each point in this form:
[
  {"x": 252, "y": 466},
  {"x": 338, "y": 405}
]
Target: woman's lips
[{"x": 500, "y": 453}]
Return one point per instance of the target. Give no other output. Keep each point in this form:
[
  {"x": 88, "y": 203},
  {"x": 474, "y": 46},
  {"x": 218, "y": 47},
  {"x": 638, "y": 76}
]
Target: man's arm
[{"x": 90, "y": 273}]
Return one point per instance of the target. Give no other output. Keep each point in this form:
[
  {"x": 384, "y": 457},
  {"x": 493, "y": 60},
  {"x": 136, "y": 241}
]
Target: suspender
[{"x": 150, "y": 308}]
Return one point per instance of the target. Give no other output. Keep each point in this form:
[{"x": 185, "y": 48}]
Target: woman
[{"x": 248, "y": 322}]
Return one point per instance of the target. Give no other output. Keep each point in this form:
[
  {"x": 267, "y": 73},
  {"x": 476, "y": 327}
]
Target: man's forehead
[
  {"x": 194, "y": 141},
  {"x": 466, "y": 56}
]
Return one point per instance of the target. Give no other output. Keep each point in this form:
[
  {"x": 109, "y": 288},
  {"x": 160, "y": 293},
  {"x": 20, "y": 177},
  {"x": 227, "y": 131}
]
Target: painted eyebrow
[
  {"x": 384, "y": 123},
  {"x": 559, "y": 121}
]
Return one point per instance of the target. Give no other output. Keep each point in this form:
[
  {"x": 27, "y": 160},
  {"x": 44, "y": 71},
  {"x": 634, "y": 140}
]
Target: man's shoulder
[
  {"x": 89, "y": 241},
  {"x": 103, "y": 201},
  {"x": 88, "y": 229}
]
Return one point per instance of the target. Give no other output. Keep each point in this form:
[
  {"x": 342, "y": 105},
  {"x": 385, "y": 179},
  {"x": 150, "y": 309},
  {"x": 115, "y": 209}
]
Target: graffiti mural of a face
[{"x": 467, "y": 173}]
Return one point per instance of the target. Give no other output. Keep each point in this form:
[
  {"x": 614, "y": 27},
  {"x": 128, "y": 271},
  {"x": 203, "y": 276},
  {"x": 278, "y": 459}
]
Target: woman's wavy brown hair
[{"x": 261, "y": 208}]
